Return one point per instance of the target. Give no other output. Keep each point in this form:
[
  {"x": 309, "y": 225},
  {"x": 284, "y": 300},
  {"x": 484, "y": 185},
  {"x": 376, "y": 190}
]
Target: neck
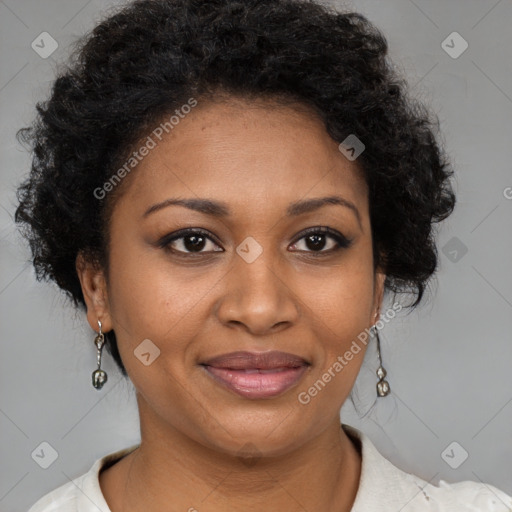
[{"x": 170, "y": 468}]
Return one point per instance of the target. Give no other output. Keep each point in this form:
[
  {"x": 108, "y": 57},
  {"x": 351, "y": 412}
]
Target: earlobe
[{"x": 94, "y": 289}]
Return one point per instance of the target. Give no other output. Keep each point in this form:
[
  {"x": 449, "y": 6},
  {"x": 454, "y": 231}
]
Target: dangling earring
[
  {"x": 383, "y": 388},
  {"x": 99, "y": 377}
]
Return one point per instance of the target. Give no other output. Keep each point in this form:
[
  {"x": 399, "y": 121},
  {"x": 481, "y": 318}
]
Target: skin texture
[{"x": 257, "y": 158}]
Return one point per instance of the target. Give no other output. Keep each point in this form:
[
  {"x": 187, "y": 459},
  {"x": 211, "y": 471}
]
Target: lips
[
  {"x": 257, "y": 375},
  {"x": 256, "y": 360}
]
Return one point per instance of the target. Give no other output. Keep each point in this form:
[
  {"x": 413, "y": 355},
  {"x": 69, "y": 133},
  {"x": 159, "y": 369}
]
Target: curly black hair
[{"x": 148, "y": 58}]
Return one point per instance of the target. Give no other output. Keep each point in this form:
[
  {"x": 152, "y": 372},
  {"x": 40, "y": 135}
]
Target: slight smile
[{"x": 257, "y": 375}]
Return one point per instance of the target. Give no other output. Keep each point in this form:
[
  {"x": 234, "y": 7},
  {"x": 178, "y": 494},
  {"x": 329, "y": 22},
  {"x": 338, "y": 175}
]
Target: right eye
[{"x": 188, "y": 241}]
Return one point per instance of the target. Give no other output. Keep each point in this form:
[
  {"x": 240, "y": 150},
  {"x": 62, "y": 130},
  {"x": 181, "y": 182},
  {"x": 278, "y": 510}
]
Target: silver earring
[
  {"x": 99, "y": 377},
  {"x": 383, "y": 388}
]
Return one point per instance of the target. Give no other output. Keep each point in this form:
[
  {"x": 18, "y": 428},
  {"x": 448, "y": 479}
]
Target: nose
[{"x": 257, "y": 297}]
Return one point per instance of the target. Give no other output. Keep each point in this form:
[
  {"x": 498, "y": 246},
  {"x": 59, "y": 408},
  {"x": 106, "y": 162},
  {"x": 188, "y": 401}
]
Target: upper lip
[{"x": 243, "y": 360}]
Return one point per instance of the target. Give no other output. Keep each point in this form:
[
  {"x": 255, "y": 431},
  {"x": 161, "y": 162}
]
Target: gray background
[{"x": 449, "y": 363}]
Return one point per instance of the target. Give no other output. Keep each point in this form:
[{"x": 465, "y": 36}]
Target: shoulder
[
  {"x": 384, "y": 486},
  {"x": 83, "y": 494},
  {"x": 465, "y": 496},
  {"x": 62, "y": 499}
]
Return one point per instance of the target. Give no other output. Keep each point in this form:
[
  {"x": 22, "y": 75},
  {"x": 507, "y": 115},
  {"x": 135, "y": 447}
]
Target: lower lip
[{"x": 257, "y": 385}]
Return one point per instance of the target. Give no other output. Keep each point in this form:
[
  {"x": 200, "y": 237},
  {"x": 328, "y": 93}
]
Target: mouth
[{"x": 257, "y": 375}]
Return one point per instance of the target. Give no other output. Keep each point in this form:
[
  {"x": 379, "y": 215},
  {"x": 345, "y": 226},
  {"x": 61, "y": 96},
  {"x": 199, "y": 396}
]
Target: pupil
[
  {"x": 197, "y": 242},
  {"x": 318, "y": 242}
]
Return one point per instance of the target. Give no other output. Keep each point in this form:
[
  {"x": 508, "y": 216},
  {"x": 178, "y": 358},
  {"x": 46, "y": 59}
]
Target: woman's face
[{"x": 252, "y": 281}]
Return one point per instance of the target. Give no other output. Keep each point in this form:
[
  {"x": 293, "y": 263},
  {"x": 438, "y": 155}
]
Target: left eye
[{"x": 316, "y": 240}]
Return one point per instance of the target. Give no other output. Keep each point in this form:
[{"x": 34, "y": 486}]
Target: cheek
[
  {"x": 340, "y": 319},
  {"x": 341, "y": 312},
  {"x": 342, "y": 299},
  {"x": 151, "y": 299}
]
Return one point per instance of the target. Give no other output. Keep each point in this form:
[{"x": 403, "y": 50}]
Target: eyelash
[{"x": 342, "y": 241}]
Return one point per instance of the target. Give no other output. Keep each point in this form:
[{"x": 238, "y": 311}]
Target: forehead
[{"x": 245, "y": 152}]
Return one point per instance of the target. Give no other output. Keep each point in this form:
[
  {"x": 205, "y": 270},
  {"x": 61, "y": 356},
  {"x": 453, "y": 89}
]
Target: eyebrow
[{"x": 218, "y": 209}]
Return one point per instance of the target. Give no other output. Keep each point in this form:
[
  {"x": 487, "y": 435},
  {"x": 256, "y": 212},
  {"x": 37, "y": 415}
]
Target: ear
[
  {"x": 94, "y": 289},
  {"x": 378, "y": 294}
]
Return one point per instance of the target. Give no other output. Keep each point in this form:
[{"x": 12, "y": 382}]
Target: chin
[{"x": 262, "y": 435}]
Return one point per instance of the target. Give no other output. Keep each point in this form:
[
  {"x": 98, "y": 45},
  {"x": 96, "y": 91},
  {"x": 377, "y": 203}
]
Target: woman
[{"x": 229, "y": 189}]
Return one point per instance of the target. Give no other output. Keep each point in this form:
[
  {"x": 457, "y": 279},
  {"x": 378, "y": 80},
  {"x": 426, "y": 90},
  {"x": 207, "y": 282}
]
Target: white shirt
[{"x": 382, "y": 488}]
